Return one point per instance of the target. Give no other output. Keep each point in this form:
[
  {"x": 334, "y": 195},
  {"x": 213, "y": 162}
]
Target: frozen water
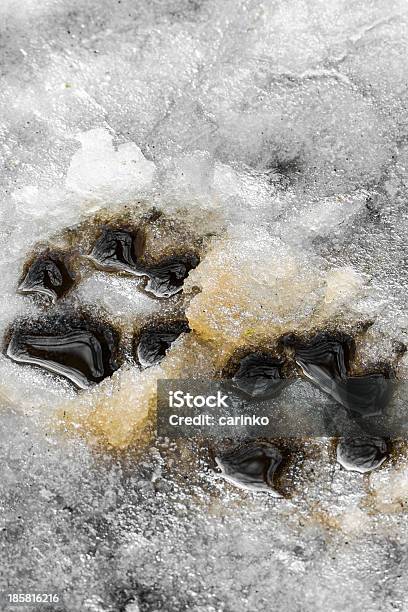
[
  {"x": 118, "y": 295},
  {"x": 273, "y": 138},
  {"x": 98, "y": 171}
]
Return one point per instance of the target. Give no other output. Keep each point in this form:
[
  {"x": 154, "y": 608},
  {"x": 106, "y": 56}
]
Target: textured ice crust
[{"x": 283, "y": 125}]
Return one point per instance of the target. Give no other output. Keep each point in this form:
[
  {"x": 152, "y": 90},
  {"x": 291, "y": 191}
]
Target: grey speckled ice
[{"x": 288, "y": 121}]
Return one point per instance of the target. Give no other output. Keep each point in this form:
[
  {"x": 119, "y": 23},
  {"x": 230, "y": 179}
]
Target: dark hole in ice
[
  {"x": 259, "y": 375},
  {"x": 47, "y": 275},
  {"x": 167, "y": 278},
  {"x": 82, "y": 355},
  {"x": 324, "y": 359},
  {"x": 324, "y": 356},
  {"x": 366, "y": 395},
  {"x": 251, "y": 467},
  {"x": 118, "y": 250},
  {"x": 155, "y": 341},
  {"x": 361, "y": 454}
]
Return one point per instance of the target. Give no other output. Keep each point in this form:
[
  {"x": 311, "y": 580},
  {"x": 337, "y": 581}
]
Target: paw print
[
  {"x": 327, "y": 359},
  {"x": 68, "y": 339}
]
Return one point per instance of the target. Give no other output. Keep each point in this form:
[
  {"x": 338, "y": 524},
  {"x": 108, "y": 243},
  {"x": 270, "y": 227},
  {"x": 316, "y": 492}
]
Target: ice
[
  {"x": 117, "y": 412},
  {"x": 261, "y": 288},
  {"x": 98, "y": 171},
  {"x": 269, "y": 138},
  {"x": 119, "y": 296}
]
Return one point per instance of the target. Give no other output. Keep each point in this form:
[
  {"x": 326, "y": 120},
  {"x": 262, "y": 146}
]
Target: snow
[{"x": 98, "y": 171}]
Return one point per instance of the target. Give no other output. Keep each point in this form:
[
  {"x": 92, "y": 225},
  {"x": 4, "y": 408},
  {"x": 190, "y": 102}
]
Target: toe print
[
  {"x": 118, "y": 250},
  {"x": 324, "y": 359},
  {"x": 365, "y": 395},
  {"x": 82, "y": 355},
  {"x": 259, "y": 375},
  {"x": 167, "y": 278},
  {"x": 251, "y": 467},
  {"x": 48, "y": 275},
  {"x": 122, "y": 250},
  {"x": 361, "y": 454},
  {"x": 154, "y": 342}
]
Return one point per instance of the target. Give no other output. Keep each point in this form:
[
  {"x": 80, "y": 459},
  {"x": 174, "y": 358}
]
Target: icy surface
[
  {"x": 276, "y": 132},
  {"x": 98, "y": 171}
]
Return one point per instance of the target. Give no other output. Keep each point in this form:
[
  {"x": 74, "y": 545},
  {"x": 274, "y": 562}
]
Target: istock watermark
[
  {"x": 179, "y": 399},
  {"x": 218, "y": 409},
  {"x": 205, "y": 408}
]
